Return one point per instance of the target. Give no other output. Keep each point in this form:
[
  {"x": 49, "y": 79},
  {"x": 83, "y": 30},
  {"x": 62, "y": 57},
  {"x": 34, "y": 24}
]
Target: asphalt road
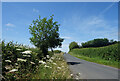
[{"x": 90, "y": 70}]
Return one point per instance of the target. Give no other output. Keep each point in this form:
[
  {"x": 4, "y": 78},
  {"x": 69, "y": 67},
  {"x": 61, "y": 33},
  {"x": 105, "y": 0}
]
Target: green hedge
[{"x": 108, "y": 52}]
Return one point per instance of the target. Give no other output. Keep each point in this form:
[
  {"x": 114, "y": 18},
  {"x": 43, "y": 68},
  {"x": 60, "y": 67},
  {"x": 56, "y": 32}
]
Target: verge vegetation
[
  {"x": 54, "y": 68},
  {"x": 22, "y": 62}
]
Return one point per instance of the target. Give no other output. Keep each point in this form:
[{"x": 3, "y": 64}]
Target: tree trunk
[
  {"x": 44, "y": 51},
  {"x": 51, "y": 49}
]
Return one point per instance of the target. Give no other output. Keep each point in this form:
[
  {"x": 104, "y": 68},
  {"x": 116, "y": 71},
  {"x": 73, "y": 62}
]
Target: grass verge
[
  {"x": 55, "y": 68},
  {"x": 97, "y": 60}
]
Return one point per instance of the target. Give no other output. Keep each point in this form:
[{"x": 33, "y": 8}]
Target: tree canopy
[
  {"x": 73, "y": 45},
  {"x": 98, "y": 42},
  {"x": 45, "y": 34}
]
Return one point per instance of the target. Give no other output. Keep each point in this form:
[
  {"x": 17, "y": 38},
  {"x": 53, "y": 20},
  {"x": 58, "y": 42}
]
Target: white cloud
[
  {"x": 35, "y": 10},
  {"x": 102, "y": 27},
  {"x": 66, "y": 37},
  {"x": 10, "y": 25},
  {"x": 91, "y": 26}
]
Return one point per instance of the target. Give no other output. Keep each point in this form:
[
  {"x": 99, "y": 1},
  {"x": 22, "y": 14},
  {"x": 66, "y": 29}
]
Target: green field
[{"x": 107, "y": 55}]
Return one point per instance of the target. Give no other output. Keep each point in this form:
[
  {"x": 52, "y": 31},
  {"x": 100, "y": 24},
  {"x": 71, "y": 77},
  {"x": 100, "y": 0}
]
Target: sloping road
[{"x": 90, "y": 70}]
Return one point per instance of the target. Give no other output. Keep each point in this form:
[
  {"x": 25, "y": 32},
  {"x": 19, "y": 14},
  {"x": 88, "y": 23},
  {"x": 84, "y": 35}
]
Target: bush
[
  {"x": 73, "y": 45},
  {"x": 50, "y": 53},
  {"x": 37, "y": 52},
  {"x": 14, "y": 57},
  {"x": 57, "y": 51}
]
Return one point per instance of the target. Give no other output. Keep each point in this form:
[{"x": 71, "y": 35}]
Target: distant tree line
[{"x": 99, "y": 42}]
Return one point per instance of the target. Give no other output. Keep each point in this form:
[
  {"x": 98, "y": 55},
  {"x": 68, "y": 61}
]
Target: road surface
[{"x": 89, "y": 70}]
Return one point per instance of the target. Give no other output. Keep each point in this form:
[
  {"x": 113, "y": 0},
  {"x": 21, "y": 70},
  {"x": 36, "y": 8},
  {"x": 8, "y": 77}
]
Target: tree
[
  {"x": 96, "y": 43},
  {"x": 112, "y": 42},
  {"x": 101, "y": 42},
  {"x": 73, "y": 45},
  {"x": 45, "y": 34}
]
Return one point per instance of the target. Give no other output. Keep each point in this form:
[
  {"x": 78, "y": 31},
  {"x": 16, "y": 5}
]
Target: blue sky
[{"x": 80, "y": 21}]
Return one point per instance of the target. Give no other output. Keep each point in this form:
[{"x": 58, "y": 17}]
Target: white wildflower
[
  {"x": 59, "y": 67},
  {"x": 26, "y": 52},
  {"x": 62, "y": 66},
  {"x": 21, "y": 46},
  {"x": 7, "y": 67},
  {"x": 52, "y": 58},
  {"x": 23, "y": 60},
  {"x": 71, "y": 74},
  {"x": 32, "y": 62},
  {"x": 79, "y": 73},
  {"x": 54, "y": 63},
  {"x": 77, "y": 78},
  {"x": 47, "y": 56},
  {"x": 44, "y": 58},
  {"x": 46, "y": 66},
  {"x": 18, "y": 49},
  {"x": 16, "y": 63},
  {"x": 13, "y": 70},
  {"x": 16, "y": 46},
  {"x": 7, "y": 61},
  {"x": 26, "y": 55},
  {"x": 42, "y": 62}
]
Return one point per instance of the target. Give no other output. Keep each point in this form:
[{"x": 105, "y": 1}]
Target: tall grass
[{"x": 56, "y": 69}]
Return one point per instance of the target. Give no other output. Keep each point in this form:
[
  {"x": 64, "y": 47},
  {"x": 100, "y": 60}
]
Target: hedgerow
[
  {"x": 107, "y": 52},
  {"x": 19, "y": 61}
]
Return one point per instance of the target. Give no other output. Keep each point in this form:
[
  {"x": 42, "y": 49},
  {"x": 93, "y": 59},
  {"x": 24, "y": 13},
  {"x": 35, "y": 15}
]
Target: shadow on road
[{"x": 73, "y": 63}]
